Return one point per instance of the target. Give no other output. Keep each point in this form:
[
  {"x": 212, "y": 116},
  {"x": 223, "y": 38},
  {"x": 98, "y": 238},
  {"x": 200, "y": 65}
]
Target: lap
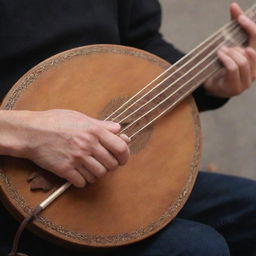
[
  {"x": 228, "y": 204},
  {"x": 181, "y": 237}
]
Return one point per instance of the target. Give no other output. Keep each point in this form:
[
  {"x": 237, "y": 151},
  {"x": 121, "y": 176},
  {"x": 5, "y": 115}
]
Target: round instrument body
[{"x": 126, "y": 205}]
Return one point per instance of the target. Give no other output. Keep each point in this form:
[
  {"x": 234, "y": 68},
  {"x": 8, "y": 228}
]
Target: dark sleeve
[{"x": 140, "y": 24}]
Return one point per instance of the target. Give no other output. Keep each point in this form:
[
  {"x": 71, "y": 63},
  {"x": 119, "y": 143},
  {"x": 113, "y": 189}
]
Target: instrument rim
[{"x": 43, "y": 224}]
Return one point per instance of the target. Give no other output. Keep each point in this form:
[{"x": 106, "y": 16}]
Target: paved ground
[{"x": 229, "y": 133}]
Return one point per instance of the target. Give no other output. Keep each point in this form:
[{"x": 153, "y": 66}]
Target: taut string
[
  {"x": 168, "y": 77},
  {"x": 175, "y": 103},
  {"x": 218, "y": 33},
  {"x": 171, "y": 85}
]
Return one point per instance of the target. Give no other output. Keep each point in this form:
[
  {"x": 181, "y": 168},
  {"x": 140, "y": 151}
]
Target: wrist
[{"x": 14, "y": 132}]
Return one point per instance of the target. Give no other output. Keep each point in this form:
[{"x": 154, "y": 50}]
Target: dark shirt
[{"x": 31, "y": 31}]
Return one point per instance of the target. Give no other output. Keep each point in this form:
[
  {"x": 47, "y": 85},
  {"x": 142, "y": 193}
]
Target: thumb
[{"x": 235, "y": 11}]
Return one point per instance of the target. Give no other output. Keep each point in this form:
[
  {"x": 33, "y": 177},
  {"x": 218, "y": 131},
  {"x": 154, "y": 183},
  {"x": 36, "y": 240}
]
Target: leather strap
[{"x": 22, "y": 226}]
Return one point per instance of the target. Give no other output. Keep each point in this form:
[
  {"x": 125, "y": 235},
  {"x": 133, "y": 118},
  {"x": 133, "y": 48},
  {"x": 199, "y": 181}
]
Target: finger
[
  {"x": 115, "y": 145},
  {"x": 75, "y": 178},
  {"x": 105, "y": 157},
  {"x": 125, "y": 138},
  {"x": 94, "y": 166},
  {"x": 239, "y": 49},
  {"x": 252, "y": 56},
  {"x": 250, "y": 27},
  {"x": 213, "y": 81},
  {"x": 88, "y": 176},
  {"x": 235, "y": 10},
  {"x": 232, "y": 74},
  {"x": 109, "y": 125},
  {"x": 243, "y": 65}
]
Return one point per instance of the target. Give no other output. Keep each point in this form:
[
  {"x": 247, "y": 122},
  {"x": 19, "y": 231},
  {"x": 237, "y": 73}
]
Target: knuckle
[
  {"x": 243, "y": 63},
  {"x": 232, "y": 68},
  {"x": 87, "y": 139},
  {"x": 76, "y": 155},
  {"x": 84, "y": 144},
  {"x": 78, "y": 141},
  {"x": 64, "y": 170},
  {"x": 85, "y": 149},
  {"x": 94, "y": 129}
]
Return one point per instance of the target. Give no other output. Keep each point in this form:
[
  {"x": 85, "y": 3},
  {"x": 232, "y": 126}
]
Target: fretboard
[{"x": 179, "y": 81}]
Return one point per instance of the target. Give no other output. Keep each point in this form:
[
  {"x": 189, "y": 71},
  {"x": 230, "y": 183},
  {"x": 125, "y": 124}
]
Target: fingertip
[
  {"x": 249, "y": 50},
  {"x": 115, "y": 127},
  {"x": 75, "y": 178},
  {"x": 223, "y": 49},
  {"x": 220, "y": 53},
  {"x": 110, "y": 125},
  {"x": 234, "y": 5},
  {"x": 80, "y": 185},
  {"x": 235, "y": 10},
  {"x": 125, "y": 138}
]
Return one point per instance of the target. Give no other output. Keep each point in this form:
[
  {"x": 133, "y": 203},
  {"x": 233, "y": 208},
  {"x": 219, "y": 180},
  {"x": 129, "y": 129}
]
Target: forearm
[
  {"x": 13, "y": 132},
  {"x": 70, "y": 144}
]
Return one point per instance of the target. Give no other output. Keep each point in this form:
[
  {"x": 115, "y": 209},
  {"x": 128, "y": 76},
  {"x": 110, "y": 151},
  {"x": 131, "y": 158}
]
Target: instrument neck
[{"x": 179, "y": 81}]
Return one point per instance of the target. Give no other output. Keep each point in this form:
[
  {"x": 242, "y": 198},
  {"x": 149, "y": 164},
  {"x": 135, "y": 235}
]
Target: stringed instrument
[{"x": 137, "y": 90}]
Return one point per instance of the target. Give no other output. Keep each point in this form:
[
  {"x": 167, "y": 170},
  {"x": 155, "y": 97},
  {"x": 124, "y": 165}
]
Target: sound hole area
[{"x": 138, "y": 143}]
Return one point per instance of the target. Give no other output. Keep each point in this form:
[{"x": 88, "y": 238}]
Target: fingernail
[
  {"x": 125, "y": 137},
  {"x": 117, "y": 125}
]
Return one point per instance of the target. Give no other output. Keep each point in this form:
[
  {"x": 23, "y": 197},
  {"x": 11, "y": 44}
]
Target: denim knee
[
  {"x": 181, "y": 238},
  {"x": 204, "y": 240}
]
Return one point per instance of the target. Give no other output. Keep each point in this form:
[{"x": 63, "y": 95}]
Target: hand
[
  {"x": 239, "y": 63},
  {"x": 73, "y": 145}
]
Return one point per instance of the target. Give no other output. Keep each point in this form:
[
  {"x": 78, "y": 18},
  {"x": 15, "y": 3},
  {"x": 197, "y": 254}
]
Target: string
[
  {"x": 227, "y": 26},
  {"x": 174, "y": 104},
  {"x": 168, "y": 87},
  {"x": 171, "y": 85},
  {"x": 169, "y": 77},
  {"x": 187, "y": 93}
]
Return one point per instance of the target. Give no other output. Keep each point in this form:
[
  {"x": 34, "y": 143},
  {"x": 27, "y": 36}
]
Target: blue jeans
[{"x": 219, "y": 219}]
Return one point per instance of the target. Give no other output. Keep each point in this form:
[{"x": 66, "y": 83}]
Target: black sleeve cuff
[{"x": 205, "y": 101}]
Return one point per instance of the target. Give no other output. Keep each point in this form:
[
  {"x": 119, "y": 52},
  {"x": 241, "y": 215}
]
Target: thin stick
[{"x": 55, "y": 195}]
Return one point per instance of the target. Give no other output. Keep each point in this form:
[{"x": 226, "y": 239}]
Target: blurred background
[{"x": 229, "y": 134}]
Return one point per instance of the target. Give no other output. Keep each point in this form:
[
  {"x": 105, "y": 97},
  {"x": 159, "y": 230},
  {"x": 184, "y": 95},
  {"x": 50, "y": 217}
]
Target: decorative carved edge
[
  {"x": 97, "y": 240},
  {"x": 34, "y": 73}
]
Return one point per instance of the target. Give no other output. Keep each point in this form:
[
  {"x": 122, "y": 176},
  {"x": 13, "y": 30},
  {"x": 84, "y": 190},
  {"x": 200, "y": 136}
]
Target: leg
[
  {"x": 181, "y": 237},
  {"x": 228, "y": 204}
]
